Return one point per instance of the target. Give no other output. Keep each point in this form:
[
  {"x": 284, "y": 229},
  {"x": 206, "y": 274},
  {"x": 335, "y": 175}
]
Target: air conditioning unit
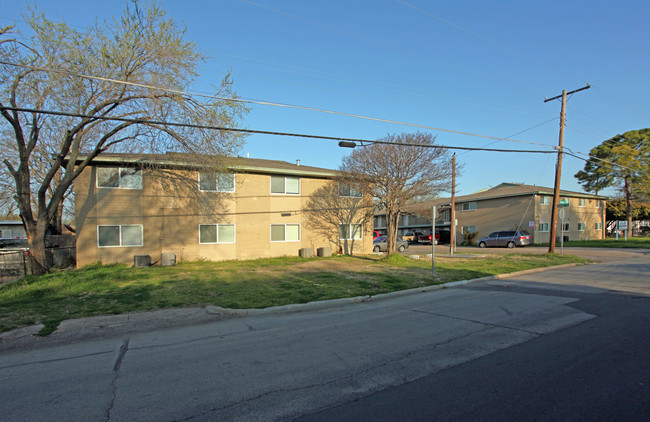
[
  {"x": 306, "y": 252},
  {"x": 141, "y": 261},
  {"x": 323, "y": 252},
  {"x": 167, "y": 259}
]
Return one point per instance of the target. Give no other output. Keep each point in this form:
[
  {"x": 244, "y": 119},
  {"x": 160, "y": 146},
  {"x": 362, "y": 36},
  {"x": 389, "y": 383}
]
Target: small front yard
[{"x": 116, "y": 289}]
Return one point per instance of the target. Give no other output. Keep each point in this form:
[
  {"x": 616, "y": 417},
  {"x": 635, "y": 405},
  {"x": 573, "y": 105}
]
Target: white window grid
[
  {"x": 120, "y": 226},
  {"x": 234, "y": 229},
  {"x": 120, "y": 170},
  {"x": 217, "y": 175},
  {"x": 285, "y": 185},
  {"x": 285, "y": 232}
]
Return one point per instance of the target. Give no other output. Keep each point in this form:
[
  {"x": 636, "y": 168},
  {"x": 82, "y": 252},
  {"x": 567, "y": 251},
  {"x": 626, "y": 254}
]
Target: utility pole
[
  {"x": 558, "y": 168},
  {"x": 452, "y": 232}
]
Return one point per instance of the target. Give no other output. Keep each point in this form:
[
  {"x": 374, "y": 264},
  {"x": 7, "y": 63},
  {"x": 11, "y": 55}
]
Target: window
[
  {"x": 543, "y": 227},
  {"x": 216, "y": 233},
  {"x": 285, "y": 185},
  {"x": 119, "y": 178},
  {"x": 124, "y": 235},
  {"x": 216, "y": 182},
  {"x": 545, "y": 200},
  {"x": 5, "y": 234},
  {"x": 565, "y": 227},
  {"x": 469, "y": 206},
  {"x": 599, "y": 226},
  {"x": 582, "y": 227},
  {"x": 350, "y": 231},
  {"x": 469, "y": 229},
  {"x": 582, "y": 202},
  {"x": 349, "y": 191},
  {"x": 285, "y": 232}
]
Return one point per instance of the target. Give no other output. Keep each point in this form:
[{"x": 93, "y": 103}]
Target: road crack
[{"x": 116, "y": 375}]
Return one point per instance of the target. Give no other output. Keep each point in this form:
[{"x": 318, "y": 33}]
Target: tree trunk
[{"x": 36, "y": 244}]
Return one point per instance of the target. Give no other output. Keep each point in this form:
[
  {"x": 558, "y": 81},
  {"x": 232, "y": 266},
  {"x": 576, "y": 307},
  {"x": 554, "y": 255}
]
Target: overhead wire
[
  {"x": 264, "y": 132},
  {"x": 268, "y": 103}
]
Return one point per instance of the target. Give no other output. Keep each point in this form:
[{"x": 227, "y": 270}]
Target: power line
[
  {"x": 263, "y": 132},
  {"x": 267, "y": 103}
]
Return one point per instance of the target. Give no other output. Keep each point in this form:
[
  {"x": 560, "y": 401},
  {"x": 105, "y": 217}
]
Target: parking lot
[{"x": 595, "y": 254}]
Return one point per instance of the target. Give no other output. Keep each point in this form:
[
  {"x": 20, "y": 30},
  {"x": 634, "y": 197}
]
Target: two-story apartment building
[
  {"x": 155, "y": 204},
  {"x": 510, "y": 206}
]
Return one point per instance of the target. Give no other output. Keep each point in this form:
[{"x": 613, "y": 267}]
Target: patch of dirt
[{"x": 340, "y": 266}]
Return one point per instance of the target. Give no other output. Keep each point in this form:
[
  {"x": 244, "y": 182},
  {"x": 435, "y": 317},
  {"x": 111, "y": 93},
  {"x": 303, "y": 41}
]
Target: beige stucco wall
[
  {"x": 171, "y": 217},
  {"x": 496, "y": 214},
  {"x": 507, "y": 213}
]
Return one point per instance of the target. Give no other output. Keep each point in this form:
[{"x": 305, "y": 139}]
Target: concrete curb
[{"x": 81, "y": 328}]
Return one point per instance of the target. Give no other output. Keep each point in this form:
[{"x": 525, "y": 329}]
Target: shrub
[{"x": 470, "y": 237}]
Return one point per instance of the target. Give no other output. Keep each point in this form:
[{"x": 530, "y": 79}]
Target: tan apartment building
[
  {"x": 155, "y": 204},
  {"x": 510, "y": 206}
]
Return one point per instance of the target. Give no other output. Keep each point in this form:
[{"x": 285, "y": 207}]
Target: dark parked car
[
  {"x": 380, "y": 244},
  {"x": 507, "y": 238}
]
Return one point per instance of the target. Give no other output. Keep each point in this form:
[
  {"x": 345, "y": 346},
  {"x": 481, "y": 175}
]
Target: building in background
[{"x": 509, "y": 206}]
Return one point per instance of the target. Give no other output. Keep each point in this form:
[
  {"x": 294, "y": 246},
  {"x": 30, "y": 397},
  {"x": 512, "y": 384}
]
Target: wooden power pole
[
  {"x": 452, "y": 232},
  {"x": 558, "y": 168}
]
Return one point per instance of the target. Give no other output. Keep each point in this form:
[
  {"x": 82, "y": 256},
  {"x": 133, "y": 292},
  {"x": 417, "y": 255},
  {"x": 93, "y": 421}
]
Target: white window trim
[
  {"x": 580, "y": 203},
  {"x": 545, "y": 200},
  {"x": 542, "y": 225},
  {"x": 285, "y": 232},
  {"x": 234, "y": 226},
  {"x": 119, "y": 178},
  {"x": 469, "y": 208},
  {"x": 462, "y": 230},
  {"x": 285, "y": 185},
  {"x": 120, "y": 237},
  {"x": 350, "y": 188},
  {"x": 584, "y": 226},
  {"x": 234, "y": 182},
  {"x": 350, "y": 231},
  {"x": 568, "y": 227},
  {"x": 598, "y": 226}
]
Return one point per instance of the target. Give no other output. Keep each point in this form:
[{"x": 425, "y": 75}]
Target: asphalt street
[{"x": 567, "y": 344}]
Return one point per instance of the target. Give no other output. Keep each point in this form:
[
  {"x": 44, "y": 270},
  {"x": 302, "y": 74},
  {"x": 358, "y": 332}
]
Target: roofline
[{"x": 184, "y": 164}]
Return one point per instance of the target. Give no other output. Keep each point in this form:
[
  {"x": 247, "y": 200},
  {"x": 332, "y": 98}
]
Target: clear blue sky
[{"x": 472, "y": 66}]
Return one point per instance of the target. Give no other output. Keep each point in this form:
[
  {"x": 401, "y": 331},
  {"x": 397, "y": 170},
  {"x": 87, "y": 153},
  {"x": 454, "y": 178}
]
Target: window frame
[
  {"x": 582, "y": 226},
  {"x": 545, "y": 200},
  {"x": 216, "y": 176},
  {"x": 285, "y": 185},
  {"x": 119, "y": 177},
  {"x": 582, "y": 202},
  {"x": 285, "y": 232},
  {"x": 566, "y": 227},
  {"x": 119, "y": 226},
  {"x": 349, "y": 231},
  {"x": 540, "y": 227},
  {"x": 469, "y": 206},
  {"x": 218, "y": 242},
  {"x": 350, "y": 190},
  {"x": 463, "y": 231},
  {"x": 598, "y": 225}
]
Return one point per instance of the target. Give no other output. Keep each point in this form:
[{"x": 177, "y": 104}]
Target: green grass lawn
[{"x": 115, "y": 289}]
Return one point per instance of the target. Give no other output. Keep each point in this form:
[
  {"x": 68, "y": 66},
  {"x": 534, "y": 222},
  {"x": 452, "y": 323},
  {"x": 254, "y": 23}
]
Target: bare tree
[
  {"x": 340, "y": 210},
  {"x": 401, "y": 168},
  {"x": 106, "y": 71}
]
